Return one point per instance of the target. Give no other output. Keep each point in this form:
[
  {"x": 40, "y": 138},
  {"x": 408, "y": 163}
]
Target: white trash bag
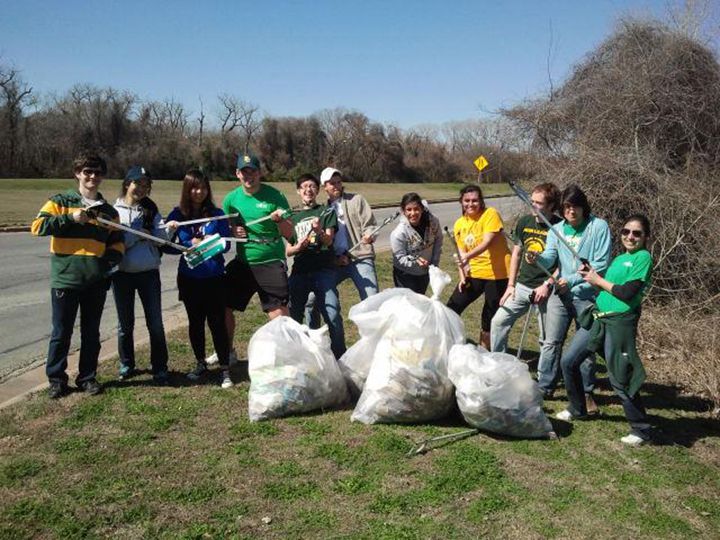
[
  {"x": 496, "y": 393},
  {"x": 412, "y": 335},
  {"x": 292, "y": 370},
  {"x": 371, "y": 319}
]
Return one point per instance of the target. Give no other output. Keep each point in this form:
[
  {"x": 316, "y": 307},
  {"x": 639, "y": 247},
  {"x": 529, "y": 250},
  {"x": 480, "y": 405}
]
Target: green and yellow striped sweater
[{"x": 82, "y": 254}]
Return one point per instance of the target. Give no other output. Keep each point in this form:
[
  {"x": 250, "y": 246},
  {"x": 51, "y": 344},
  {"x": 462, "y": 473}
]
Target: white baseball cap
[{"x": 327, "y": 174}]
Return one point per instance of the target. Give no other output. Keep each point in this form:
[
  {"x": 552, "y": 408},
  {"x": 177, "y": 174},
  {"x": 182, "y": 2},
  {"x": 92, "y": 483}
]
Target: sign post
[{"x": 480, "y": 163}]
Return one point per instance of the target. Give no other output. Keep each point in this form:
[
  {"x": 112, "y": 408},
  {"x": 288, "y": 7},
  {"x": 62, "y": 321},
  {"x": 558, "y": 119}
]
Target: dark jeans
[
  {"x": 204, "y": 300},
  {"x": 65, "y": 304},
  {"x": 147, "y": 285},
  {"x": 414, "y": 282},
  {"x": 577, "y": 363}
]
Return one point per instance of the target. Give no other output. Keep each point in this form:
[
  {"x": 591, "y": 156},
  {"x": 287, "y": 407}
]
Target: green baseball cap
[{"x": 248, "y": 161}]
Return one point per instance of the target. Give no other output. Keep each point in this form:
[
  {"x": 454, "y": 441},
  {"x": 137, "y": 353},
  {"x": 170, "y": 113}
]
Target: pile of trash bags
[
  {"x": 399, "y": 365},
  {"x": 292, "y": 370},
  {"x": 411, "y": 364}
]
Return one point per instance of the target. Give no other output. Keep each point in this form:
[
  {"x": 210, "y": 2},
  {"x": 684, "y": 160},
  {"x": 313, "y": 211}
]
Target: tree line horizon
[{"x": 40, "y": 135}]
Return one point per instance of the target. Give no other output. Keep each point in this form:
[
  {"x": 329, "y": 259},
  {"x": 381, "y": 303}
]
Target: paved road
[{"x": 25, "y": 296}]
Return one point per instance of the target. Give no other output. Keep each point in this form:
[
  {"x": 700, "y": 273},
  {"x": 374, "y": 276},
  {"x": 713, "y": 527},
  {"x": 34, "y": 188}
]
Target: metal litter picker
[{"x": 373, "y": 234}]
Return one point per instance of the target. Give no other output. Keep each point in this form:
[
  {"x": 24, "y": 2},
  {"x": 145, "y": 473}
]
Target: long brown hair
[
  {"x": 469, "y": 188},
  {"x": 193, "y": 178}
]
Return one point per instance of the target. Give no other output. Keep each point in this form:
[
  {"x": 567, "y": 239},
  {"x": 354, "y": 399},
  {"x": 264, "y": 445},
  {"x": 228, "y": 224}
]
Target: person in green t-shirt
[
  {"x": 259, "y": 265},
  {"x": 614, "y": 328},
  {"x": 527, "y": 283},
  {"x": 314, "y": 261}
]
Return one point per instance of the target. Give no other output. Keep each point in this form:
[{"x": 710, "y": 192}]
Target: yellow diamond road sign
[{"x": 481, "y": 163}]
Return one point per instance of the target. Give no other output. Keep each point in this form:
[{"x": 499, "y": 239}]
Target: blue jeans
[
  {"x": 65, "y": 304},
  {"x": 560, "y": 312},
  {"x": 323, "y": 284},
  {"x": 362, "y": 273},
  {"x": 511, "y": 311},
  {"x": 147, "y": 285}
]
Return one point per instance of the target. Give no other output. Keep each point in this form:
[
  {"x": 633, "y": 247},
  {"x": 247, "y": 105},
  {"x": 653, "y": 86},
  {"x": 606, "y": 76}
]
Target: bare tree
[
  {"x": 15, "y": 95},
  {"x": 235, "y": 113},
  {"x": 201, "y": 121}
]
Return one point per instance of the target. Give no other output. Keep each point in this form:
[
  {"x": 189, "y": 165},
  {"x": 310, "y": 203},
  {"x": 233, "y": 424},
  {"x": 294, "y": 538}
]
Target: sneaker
[
  {"x": 633, "y": 440},
  {"x": 126, "y": 372},
  {"x": 57, "y": 390},
  {"x": 226, "y": 380},
  {"x": 591, "y": 406},
  {"x": 161, "y": 378},
  {"x": 564, "y": 415},
  {"x": 91, "y": 387},
  {"x": 212, "y": 359},
  {"x": 198, "y": 372}
]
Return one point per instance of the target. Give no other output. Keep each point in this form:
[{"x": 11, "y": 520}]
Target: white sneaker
[
  {"x": 564, "y": 415},
  {"x": 226, "y": 380},
  {"x": 633, "y": 440},
  {"x": 212, "y": 359}
]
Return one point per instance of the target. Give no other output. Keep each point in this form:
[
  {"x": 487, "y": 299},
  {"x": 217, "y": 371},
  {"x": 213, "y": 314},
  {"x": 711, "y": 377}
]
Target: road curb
[{"x": 16, "y": 388}]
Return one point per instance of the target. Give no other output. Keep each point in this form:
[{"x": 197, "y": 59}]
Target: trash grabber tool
[
  {"x": 373, "y": 234},
  {"x": 524, "y": 332},
  {"x": 236, "y": 240},
  {"x": 202, "y": 220},
  {"x": 525, "y": 198},
  {"x": 429, "y": 444},
  {"x": 463, "y": 274},
  {"x": 285, "y": 215},
  {"x": 194, "y": 256},
  {"x": 156, "y": 239},
  {"x": 212, "y": 245}
]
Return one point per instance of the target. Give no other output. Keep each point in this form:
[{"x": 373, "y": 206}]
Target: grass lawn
[
  {"x": 184, "y": 462},
  {"x": 20, "y": 199}
]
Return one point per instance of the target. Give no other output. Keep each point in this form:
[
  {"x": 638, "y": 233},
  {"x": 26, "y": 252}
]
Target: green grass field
[
  {"x": 184, "y": 462},
  {"x": 20, "y": 199}
]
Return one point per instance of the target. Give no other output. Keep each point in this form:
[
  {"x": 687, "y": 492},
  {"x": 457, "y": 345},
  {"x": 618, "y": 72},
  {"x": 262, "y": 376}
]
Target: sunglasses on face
[
  {"x": 90, "y": 172},
  {"x": 630, "y": 232}
]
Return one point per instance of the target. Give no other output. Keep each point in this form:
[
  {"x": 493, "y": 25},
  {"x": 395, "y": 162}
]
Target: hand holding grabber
[{"x": 458, "y": 258}]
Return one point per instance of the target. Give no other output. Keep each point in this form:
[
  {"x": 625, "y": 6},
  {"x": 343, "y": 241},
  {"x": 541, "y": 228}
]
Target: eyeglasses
[
  {"x": 90, "y": 172},
  {"x": 634, "y": 233}
]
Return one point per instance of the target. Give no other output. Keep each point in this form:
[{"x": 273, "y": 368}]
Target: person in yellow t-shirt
[{"x": 484, "y": 258}]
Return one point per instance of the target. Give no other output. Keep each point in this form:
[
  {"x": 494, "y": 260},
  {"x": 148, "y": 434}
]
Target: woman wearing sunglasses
[{"x": 614, "y": 323}]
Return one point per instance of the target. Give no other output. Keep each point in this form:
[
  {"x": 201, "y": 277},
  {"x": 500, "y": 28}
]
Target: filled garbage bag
[
  {"x": 292, "y": 370},
  {"x": 407, "y": 338},
  {"x": 495, "y": 392}
]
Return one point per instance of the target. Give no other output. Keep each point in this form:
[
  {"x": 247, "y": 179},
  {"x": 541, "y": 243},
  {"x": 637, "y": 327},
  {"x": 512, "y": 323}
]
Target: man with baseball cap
[
  {"x": 259, "y": 265},
  {"x": 356, "y": 223}
]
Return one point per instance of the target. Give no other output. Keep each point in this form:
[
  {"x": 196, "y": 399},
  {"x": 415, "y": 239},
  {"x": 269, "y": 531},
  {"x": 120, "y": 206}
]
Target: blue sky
[{"x": 406, "y": 63}]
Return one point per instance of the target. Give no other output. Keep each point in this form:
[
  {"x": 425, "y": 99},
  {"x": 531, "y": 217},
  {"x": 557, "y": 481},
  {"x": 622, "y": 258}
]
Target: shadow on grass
[
  {"x": 178, "y": 379},
  {"x": 677, "y": 430}
]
